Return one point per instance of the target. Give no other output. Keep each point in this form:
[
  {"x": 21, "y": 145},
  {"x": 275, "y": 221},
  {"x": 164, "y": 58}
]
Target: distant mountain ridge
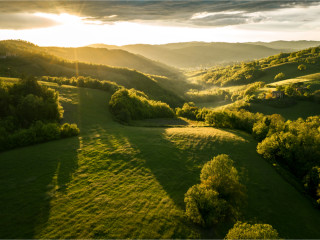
[{"x": 202, "y": 54}]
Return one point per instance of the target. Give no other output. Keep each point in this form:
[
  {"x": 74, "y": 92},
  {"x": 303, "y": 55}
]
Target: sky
[{"x": 80, "y": 23}]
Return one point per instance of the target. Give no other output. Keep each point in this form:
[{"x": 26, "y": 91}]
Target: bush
[
  {"x": 69, "y": 130},
  {"x": 279, "y": 76},
  {"x": 131, "y": 104},
  {"x": 219, "y": 195},
  {"x": 252, "y": 231},
  {"x": 302, "y": 67}
]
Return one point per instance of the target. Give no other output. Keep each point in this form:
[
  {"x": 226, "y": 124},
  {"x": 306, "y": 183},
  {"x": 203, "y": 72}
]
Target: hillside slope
[
  {"x": 116, "y": 181},
  {"x": 29, "y": 59},
  {"x": 117, "y": 58},
  {"x": 266, "y": 69}
]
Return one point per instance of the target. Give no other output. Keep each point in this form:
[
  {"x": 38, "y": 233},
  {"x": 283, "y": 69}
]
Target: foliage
[
  {"x": 238, "y": 119},
  {"x": 264, "y": 69},
  {"x": 312, "y": 182},
  {"x": 252, "y": 231},
  {"x": 131, "y": 104},
  {"x": 81, "y": 81},
  {"x": 219, "y": 196},
  {"x": 296, "y": 145},
  {"x": 30, "y": 114},
  {"x": 69, "y": 130},
  {"x": 296, "y": 90},
  {"x": 302, "y": 67},
  {"x": 279, "y": 76},
  {"x": 236, "y": 74}
]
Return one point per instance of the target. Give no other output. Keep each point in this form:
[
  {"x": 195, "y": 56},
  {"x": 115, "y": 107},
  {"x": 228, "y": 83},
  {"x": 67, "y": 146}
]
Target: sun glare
[{"x": 63, "y": 18}]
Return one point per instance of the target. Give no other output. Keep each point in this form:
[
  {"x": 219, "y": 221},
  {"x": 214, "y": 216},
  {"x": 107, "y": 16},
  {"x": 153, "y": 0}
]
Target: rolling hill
[
  {"x": 115, "y": 57},
  {"x": 201, "y": 54},
  {"x": 289, "y": 46},
  {"x": 197, "y": 54},
  {"x": 29, "y": 59},
  {"x": 265, "y": 69}
]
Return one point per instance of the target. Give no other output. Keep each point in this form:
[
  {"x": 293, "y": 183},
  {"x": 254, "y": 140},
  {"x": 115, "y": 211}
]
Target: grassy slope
[
  {"x": 115, "y": 181},
  {"x": 289, "y": 69}
]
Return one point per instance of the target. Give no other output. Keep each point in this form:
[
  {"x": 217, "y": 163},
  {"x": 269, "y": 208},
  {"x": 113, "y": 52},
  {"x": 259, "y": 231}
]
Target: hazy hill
[
  {"x": 288, "y": 45},
  {"x": 114, "y": 57},
  {"x": 197, "y": 54},
  {"x": 30, "y": 59}
]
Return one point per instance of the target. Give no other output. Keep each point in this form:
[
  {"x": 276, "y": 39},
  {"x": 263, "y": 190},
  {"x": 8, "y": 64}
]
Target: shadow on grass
[{"x": 28, "y": 178}]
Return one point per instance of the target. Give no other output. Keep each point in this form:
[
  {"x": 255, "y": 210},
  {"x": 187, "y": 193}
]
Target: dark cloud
[{"x": 177, "y": 12}]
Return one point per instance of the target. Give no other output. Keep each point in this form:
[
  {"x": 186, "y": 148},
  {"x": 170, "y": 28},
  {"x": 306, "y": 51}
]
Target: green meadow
[{"x": 117, "y": 181}]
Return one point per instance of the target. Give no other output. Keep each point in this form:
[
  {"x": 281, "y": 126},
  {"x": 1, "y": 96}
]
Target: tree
[
  {"x": 312, "y": 181},
  {"x": 279, "y": 76},
  {"x": 219, "y": 195},
  {"x": 203, "y": 205},
  {"x": 252, "y": 231},
  {"x": 302, "y": 67}
]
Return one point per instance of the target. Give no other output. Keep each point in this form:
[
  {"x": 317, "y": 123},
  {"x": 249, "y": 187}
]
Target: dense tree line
[
  {"x": 295, "y": 145},
  {"x": 127, "y": 105},
  {"x": 81, "y": 81},
  {"x": 30, "y": 113}
]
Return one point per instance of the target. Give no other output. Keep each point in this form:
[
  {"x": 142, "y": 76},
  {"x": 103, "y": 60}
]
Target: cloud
[
  {"x": 195, "y": 13},
  {"x": 18, "y": 21}
]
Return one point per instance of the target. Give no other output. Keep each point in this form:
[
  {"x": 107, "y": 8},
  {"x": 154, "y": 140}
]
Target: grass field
[{"x": 116, "y": 181}]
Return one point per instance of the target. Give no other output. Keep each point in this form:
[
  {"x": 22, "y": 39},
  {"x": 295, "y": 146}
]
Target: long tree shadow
[{"x": 28, "y": 177}]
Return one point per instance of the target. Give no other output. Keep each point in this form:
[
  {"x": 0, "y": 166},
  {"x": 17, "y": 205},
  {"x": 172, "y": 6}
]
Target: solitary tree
[
  {"x": 279, "y": 76},
  {"x": 218, "y": 196}
]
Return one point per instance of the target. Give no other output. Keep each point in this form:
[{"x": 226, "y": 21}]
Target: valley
[{"x": 146, "y": 131}]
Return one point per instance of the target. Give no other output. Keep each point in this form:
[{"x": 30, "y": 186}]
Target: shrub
[
  {"x": 252, "y": 231},
  {"x": 279, "y": 76},
  {"x": 69, "y": 130},
  {"x": 302, "y": 67}
]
